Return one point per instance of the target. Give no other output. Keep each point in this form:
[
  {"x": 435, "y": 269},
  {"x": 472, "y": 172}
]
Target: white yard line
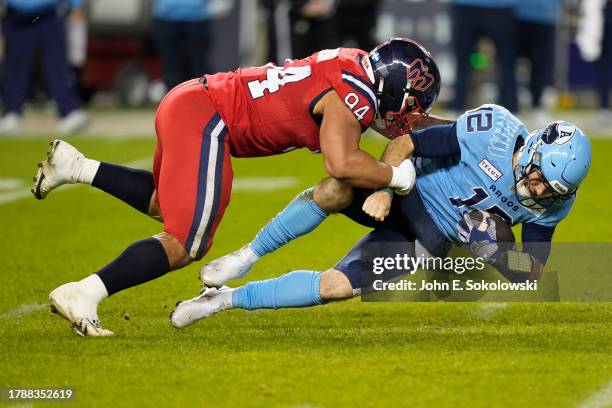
[
  {"x": 601, "y": 398},
  {"x": 240, "y": 183},
  {"x": 23, "y": 310},
  {"x": 10, "y": 183},
  {"x": 263, "y": 183},
  {"x": 488, "y": 310}
]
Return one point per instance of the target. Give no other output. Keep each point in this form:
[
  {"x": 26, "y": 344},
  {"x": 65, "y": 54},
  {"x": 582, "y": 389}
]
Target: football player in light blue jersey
[
  {"x": 486, "y": 161},
  {"x": 528, "y": 179}
]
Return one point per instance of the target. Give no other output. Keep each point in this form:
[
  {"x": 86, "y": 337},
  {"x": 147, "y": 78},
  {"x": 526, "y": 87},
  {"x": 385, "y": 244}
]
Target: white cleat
[
  {"x": 72, "y": 304},
  {"x": 231, "y": 266},
  {"x": 210, "y": 302},
  {"x": 62, "y": 166}
]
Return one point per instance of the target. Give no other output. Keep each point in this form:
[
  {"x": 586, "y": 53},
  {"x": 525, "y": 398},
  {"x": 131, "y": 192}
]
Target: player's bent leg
[
  {"x": 66, "y": 165},
  {"x": 295, "y": 289},
  {"x": 332, "y": 195},
  {"x": 134, "y": 187},
  {"x": 141, "y": 262},
  {"x": 306, "y": 212},
  {"x": 335, "y": 285}
]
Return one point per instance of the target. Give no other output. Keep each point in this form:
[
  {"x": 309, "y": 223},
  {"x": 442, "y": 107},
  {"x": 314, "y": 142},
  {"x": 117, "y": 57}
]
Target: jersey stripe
[
  {"x": 314, "y": 102},
  {"x": 360, "y": 86}
]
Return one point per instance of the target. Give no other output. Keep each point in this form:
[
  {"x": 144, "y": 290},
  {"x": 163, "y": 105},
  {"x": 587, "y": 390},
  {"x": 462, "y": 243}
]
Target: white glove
[{"x": 403, "y": 177}]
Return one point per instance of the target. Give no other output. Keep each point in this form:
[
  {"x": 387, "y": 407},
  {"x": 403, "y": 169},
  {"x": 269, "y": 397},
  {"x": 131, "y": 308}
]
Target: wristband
[{"x": 396, "y": 178}]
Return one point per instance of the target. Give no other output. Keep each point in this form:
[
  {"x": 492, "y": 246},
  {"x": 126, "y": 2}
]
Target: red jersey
[{"x": 269, "y": 110}]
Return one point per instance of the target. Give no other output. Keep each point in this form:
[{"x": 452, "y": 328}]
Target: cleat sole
[{"x": 40, "y": 175}]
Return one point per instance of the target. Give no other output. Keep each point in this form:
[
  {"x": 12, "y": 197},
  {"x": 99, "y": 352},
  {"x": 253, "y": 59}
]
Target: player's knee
[
  {"x": 334, "y": 285},
  {"x": 333, "y": 195},
  {"x": 178, "y": 256}
]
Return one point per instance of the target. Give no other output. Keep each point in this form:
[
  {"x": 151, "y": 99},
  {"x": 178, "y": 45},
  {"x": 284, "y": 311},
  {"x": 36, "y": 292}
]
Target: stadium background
[{"x": 346, "y": 354}]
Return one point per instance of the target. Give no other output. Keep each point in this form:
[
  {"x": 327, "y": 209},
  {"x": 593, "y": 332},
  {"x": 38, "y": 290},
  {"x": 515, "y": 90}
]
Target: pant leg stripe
[
  {"x": 205, "y": 148},
  {"x": 208, "y": 188},
  {"x": 218, "y": 193}
]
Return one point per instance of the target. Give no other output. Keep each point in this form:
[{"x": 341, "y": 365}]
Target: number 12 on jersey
[{"x": 277, "y": 77}]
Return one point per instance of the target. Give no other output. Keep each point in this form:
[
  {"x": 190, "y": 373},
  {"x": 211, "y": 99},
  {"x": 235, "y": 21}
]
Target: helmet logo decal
[
  {"x": 418, "y": 76},
  {"x": 566, "y": 132},
  {"x": 558, "y": 133}
]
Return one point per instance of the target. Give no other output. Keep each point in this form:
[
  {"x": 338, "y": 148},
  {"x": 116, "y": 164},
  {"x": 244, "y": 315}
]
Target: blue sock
[
  {"x": 301, "y": 216},
  {"x": 295, "y": 289}
]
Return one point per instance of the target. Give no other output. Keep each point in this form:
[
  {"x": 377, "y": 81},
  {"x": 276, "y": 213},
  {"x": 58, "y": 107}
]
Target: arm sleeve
[
  {"x": 537, "y": 240},
  {"x": 436, "y": 141}
]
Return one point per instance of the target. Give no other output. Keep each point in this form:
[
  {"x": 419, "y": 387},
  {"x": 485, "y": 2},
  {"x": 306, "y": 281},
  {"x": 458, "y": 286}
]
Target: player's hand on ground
[{"x": 378, "y": 204}]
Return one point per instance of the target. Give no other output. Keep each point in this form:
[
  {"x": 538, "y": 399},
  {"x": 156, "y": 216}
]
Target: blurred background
[{"x": 67, "y": 63}]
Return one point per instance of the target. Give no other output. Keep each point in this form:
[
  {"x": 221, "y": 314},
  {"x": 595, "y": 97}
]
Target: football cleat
[
  {"x": 210, "y": 302},
  {"x": 231, "y": 266},
  {"x": 72, "y": 304},
  {"x": 61, "y": 167}
]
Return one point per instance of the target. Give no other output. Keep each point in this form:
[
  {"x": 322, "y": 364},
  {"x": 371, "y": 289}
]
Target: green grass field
[{"x": 343, "y": 354}]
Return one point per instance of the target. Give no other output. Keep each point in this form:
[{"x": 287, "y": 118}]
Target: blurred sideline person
[
  {"x": 27, "y": 26},
  {"x": 355, "y": 20},
  {"x": 184, "y": 38},
  {"x": 594, "y": 39},
  {"x": 300, "y": 27},
  {"x": 521, "y": 177},
  {"x": 536, "y": 23},
  {"x": 322, "y": 103},
  {"x": 472, "y": 19}
]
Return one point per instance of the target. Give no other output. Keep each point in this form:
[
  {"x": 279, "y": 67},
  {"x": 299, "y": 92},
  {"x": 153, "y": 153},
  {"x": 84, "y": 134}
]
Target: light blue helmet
[{"x": 562, "y": 153}]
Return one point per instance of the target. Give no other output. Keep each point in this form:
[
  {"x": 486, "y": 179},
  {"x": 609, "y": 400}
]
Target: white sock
[
  {"x": 94, "y": 288},
  {"x": 249, "y": 255},
  {"x": 226, "y": 298},
  {"x": 88, "y": 170}
]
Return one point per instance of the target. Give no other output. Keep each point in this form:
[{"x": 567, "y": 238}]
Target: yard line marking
[
  {"x": 10, "y": 183},
  {"x": 601, "y": 398},
  {"x": 263, "y": 183},
  {"x": 23, "y": 310},
  {"x": 488, "y": 310}
]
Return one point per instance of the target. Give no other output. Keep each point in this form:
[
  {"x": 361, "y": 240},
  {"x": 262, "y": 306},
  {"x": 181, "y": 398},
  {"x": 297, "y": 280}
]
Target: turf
[{"x": 343, "y": 354}]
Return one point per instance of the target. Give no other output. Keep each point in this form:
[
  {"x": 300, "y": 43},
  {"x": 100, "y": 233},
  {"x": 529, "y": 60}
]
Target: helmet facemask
[
  {"x": 410, "y": 111},
  {"x": 550, "y": 198}
]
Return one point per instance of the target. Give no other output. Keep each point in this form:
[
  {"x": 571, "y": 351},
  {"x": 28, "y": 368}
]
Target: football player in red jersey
[{"x": 323, "y": 103}]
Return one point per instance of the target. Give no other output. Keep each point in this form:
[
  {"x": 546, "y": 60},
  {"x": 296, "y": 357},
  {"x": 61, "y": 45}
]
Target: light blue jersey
[{"x": 481, "y": 178}]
